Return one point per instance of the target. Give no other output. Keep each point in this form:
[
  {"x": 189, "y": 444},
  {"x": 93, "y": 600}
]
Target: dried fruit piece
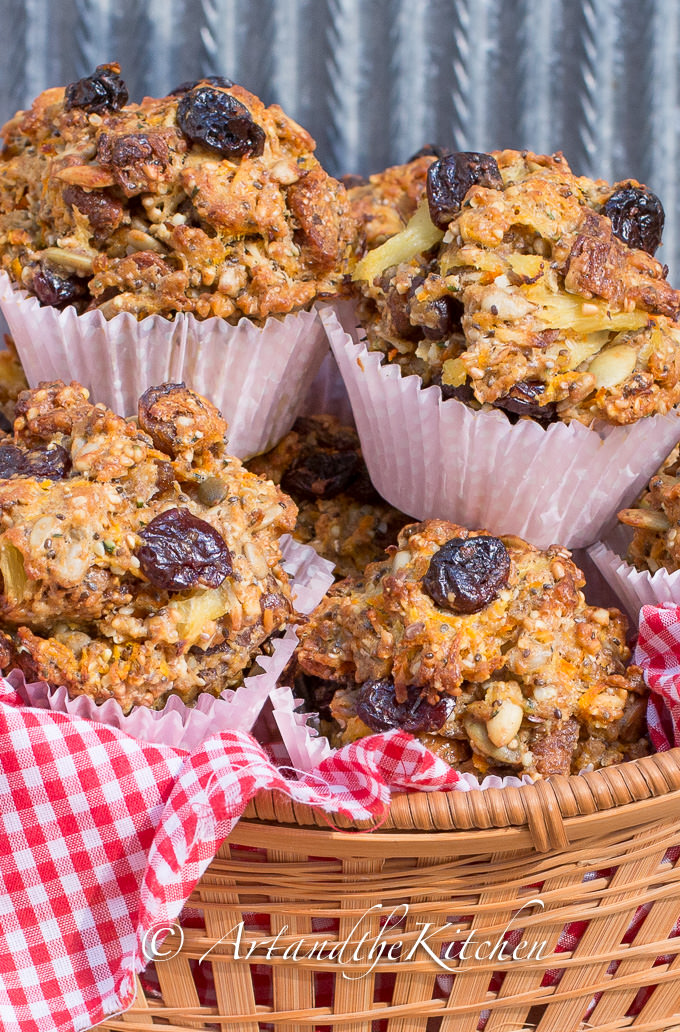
[
  {"x": 220, "y": 121},
  {"x": 524, "y": 400},
  {"x": 637, "y": 217},
  {"x": 56, "y": 291},
  {"x": 211, "y": 80},
  {"x": 5, "y": 424},
  {"x": 181, "y": 551},
  {"x": 103, "y": 91},
  {"x": 321, "y": 474},
  {"x": 446, "y": 314},
  {"x": 429, "y": 150},
  {"x": 52, "y": 463},
  {"x": 450, "y": 178},
  {"x": 466, "y": 574},
  {"x": 378, "y": 708}
]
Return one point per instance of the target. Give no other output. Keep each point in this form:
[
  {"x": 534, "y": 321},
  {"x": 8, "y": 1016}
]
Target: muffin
[
  {"x": 483, "y": 647},
  {"x": 183, "y": 238},
  {"x": 204, "y": 201},
  {"x": 138, "y": 557},
  {"x": 655, "y": 519},
  {"x": 319, "y": 464},
  {"x": 519, "y": 285}
]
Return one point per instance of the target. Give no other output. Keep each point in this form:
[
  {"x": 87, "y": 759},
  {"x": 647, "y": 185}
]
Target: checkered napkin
[{"x": 102, "y": 838}]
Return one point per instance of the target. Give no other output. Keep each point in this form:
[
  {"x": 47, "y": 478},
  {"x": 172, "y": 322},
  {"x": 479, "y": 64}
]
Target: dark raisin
[
  {"x": 524, "y": 399},
  {"x": 56, "y": 291},
  {"x": 362, "y": 489},
  {"x": 181, "y": 551},
  {"x": 210, "y": 80},
  {"x": 320, "y": 474},
  {"x": 450, "y": 178},
  {"x": 378, "y": 708},
  {"x": 12, "y": 461},
  {"x": 637, "y": 217},
  {"x": 5, "y": 424},
  {"x": 398, "y": 306},
  {"x": 52, "y": 463},
  {"x": 103, "y": 91},
  {"x": 102, "y": 211},
  {"x": 444, "y": 317},
  {"x": 351, "y": 179},
  {"x": 466, "y": 574},
  {"x": 220, "y": 121},
  {"x": 463, "y": 393},
  {"x": 430, "y": 150}
]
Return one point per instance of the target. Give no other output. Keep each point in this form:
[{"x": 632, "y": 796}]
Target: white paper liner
[
  {"x": 257, "y": 376},
  {"x": 429, "y": 458},
  {"x": 634, "y": 588},
  {"x": 328, "y": 394},
  {"x": 186, "y": 727}
]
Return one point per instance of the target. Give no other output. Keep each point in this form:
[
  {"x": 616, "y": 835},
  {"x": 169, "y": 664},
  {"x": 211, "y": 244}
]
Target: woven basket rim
[{"x": 622, "y": 795}]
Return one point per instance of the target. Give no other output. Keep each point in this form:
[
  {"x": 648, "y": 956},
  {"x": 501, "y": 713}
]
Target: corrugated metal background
[{"x": 373, "y": 80}]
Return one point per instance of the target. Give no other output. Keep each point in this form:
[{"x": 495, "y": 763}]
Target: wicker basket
[{"x": 591, "y": 848}]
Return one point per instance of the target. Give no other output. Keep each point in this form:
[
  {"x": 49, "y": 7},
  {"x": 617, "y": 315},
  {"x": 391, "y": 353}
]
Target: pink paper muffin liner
[
  {"x": 328, "y": 394},
  {"x": 257, "y": 376},
  {"x": 634, "y": 588},
  {"x": 560, "y": 484},
  {"x": 185, "y": 726}
]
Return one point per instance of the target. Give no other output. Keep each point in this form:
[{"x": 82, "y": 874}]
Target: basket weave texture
[{"x": 594, "y": 849}]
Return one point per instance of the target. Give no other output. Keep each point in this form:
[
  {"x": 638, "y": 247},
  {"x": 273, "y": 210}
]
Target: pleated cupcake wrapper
[
  {"x": 236, "y": 709},
  {"x": 634, "y": 588},
  {"x": 328, "y": 394},
  {"x": 433, "y": 458},
  {"x": 257, "y": 376}
]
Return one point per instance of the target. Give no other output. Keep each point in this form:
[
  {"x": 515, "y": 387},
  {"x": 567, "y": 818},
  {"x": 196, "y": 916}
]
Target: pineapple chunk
[
  {"x": 192, "y": 614},
  {"x": 419, "y": 235},
  {"x": 13, "y": 572},
  {"x": 454, "y": 373}
]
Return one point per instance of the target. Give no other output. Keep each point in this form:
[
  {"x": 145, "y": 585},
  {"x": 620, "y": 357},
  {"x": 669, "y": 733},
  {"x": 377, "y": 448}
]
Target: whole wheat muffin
[
  {"x": 514, "y": 283},
  {"x": 138, "y": 557},
  {"x": 340, "y": 514},
  {"x": 205, "y": 201},
  {"x": 485, "y": 648}
]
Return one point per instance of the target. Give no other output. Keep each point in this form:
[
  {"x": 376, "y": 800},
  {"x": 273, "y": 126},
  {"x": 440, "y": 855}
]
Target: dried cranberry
[
  {"x": 211, "y": 80},
  {"x": 56, "y": 291},
  {"x": 446, "y": 314},
  {"x": 103, "y": 91},
  {"x": 524, "y": 400},
  {"x": 321, "y": 474},
  {"x": 466, "y": 574},
  {"x": 53, "y": 463},
  {"x": 637, "y": 217},
  {"x": 378, "y": 708},
  {"x": 450, "y": 178},
  {"x": 430, "y": 150},
  {"x": 220, "y": 121},
  {"x": 181, "y": 551}
]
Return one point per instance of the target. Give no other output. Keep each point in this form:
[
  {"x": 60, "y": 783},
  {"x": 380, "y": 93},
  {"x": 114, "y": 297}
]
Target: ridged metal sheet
[{"x": 373, "y": 80}]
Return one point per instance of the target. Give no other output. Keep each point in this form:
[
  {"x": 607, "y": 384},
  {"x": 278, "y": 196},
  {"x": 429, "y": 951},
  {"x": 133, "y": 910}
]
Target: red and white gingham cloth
[{"x": 102, "y": 837}]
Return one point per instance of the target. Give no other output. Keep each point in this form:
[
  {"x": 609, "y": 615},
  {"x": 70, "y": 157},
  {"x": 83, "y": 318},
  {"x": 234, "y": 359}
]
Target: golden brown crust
[
  {"x": 547, "y": 296},
  {"x": 655, "y": 517},
  {"x": 553, "y": 666},
  {"x": 77, "y": 605},
  {"x": 148, "y": 221}
]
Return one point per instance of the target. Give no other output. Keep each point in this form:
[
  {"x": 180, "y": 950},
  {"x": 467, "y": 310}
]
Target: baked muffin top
[
  {"x": 138, "y": 557},
  {"x": 340, "y": 514},
  {"x": 518, "y": 285},
  {"x": 483, "y": 640},
  {"x": 204, "y": 201}
]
